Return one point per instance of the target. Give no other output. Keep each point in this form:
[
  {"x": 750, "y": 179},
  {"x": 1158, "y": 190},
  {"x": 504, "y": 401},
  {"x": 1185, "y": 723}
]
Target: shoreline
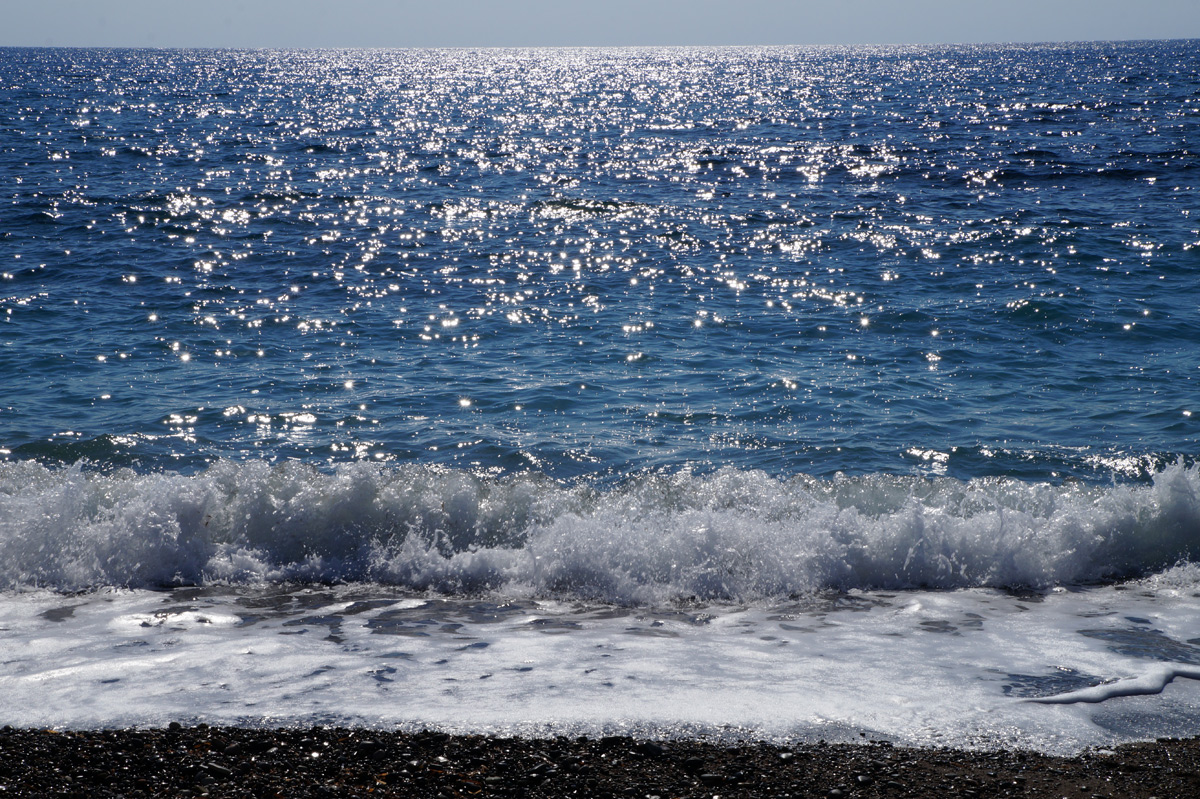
[{"x": 329, "y": 761}]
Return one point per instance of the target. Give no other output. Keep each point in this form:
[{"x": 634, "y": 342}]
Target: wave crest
[{"x": 731, "y": 535}]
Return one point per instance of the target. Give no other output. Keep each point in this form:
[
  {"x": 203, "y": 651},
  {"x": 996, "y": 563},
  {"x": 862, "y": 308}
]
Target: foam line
[{"x": 1147, "y": 684}]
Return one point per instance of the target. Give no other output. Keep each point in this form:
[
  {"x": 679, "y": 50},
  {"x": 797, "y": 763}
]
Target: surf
[{"x": 730, "y": 535}]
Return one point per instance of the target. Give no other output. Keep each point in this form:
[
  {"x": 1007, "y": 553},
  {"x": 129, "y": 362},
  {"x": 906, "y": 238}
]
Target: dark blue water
[{"x": 596, "y": 265}]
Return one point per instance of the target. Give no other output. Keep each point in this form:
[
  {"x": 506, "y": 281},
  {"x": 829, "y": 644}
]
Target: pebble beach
[{"x": 327, "y": 762}]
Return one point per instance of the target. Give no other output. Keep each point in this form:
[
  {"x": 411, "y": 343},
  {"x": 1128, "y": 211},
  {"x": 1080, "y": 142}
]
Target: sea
[{"x": 776, "y": 393}]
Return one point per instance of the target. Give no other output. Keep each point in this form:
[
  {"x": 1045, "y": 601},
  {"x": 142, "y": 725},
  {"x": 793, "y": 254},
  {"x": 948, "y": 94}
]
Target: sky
[{"x": 508, "y": 23}]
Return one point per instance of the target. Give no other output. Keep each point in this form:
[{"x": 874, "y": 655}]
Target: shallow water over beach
[{"x": 1054, "y": 671}]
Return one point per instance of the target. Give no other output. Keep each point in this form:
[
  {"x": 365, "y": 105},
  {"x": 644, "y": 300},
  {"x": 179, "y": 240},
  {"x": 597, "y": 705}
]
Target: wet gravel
[{"x": 333, "y": 762}]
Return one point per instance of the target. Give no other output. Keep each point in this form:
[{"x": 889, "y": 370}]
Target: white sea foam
[
  {"x": 1154, "y": 681},
  {"x": 727, "y": 536},
  {"x": 919, "y": 668}
]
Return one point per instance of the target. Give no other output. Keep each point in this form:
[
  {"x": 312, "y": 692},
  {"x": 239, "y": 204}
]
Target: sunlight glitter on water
[{"x": 388, "y": 221}]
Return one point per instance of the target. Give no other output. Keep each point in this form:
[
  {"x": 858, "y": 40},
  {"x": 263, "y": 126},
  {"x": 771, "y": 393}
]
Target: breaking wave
[{"x": 731, "y": 535}]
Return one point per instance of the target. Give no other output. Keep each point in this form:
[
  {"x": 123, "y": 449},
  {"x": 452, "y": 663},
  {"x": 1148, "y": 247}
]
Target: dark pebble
[
  {"x": 651, "y": 749},
  {"x": 224, "y": 763},
  {"x": 218, "y": 771}
]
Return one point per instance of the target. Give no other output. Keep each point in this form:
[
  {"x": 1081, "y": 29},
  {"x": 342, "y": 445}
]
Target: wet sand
[{"x": 329, "y": 762}]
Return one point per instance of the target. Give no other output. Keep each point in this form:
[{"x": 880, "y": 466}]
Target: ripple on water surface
[{"x": 798, "y": 259}]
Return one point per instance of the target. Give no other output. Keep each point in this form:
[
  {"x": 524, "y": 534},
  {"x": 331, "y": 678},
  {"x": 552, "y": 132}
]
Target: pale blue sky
[{"x": 406, "y": 23}]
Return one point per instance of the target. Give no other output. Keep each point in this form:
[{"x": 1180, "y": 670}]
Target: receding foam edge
[{"x": 1145, "y": 685}]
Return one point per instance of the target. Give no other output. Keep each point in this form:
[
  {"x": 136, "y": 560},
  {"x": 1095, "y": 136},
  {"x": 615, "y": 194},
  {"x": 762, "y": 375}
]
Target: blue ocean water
[
  {"x": 628, "y": 325},
  {"x": 810, "y": 392}
]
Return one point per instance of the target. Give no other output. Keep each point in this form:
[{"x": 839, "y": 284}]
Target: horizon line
[{"x": 998, "y": 42}]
